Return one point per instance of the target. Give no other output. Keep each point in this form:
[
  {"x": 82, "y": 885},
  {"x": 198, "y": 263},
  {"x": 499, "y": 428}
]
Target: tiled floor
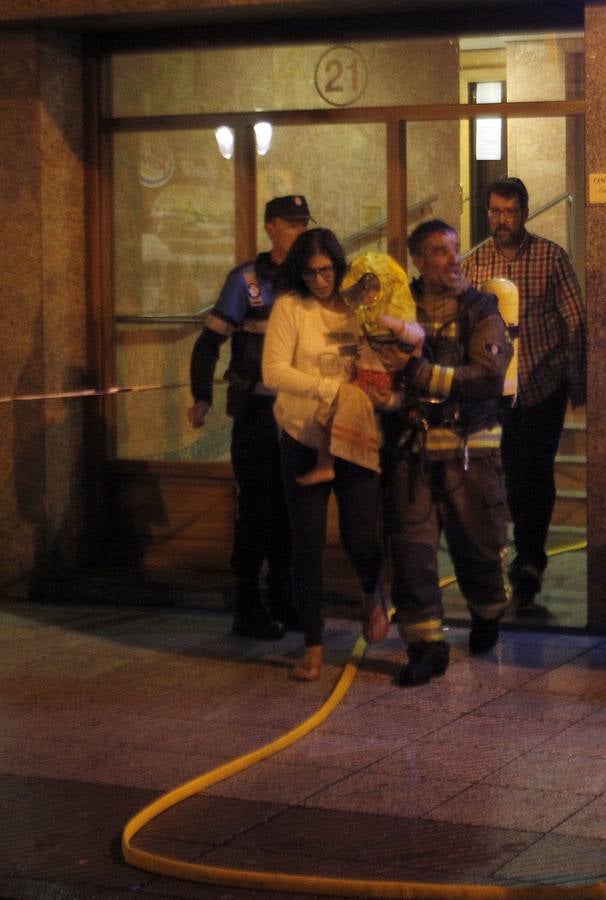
[
  {"x": 493, "y": 774},
  {"x": 562, "y": 602}
]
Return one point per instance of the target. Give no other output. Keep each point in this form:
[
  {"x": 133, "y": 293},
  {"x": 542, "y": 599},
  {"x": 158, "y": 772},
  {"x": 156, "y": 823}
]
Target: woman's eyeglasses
[{"x": 323, "y": 272}]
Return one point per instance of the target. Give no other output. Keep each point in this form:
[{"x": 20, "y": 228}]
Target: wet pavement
[{"x": 494, "y": 774}]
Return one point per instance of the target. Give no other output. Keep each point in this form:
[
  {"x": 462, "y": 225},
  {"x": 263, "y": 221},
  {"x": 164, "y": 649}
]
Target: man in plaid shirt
[{"x": 551, "y": 370}]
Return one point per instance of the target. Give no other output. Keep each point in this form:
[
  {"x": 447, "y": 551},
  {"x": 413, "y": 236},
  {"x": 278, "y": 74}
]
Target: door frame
[{"x": 114, "y": 478}]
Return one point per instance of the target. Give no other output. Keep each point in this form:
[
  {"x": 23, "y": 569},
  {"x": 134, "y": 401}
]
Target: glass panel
[
  {"x": 533, "y": 67},
  {"x": 173, "y": 245},
  {"x": 363, "y": 73},
  {"x": 341, "y": 170},
  {"x": 546, "y": 153},
  {"x": 152, "y": 424},
  {"x": 173, "y": 221},
  {"x": 433, "y": 189},
  {"x": 309, "y": 76}
]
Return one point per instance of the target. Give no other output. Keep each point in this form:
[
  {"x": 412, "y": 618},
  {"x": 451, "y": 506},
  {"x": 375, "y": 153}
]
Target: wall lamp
[
  {"x": 263, "y": 135},
  {"x": 225, "y": 139}
]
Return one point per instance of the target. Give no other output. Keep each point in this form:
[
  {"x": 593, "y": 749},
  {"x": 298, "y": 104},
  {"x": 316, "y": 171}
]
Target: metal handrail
[
  {"x": 379, "y": 226},
  {"x": 156, "y": 319},
  {"x": 565, "y": 195}
]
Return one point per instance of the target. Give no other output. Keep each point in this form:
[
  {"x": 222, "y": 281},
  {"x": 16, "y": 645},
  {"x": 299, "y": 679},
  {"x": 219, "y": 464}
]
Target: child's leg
[{"x": 324, "y": 469}]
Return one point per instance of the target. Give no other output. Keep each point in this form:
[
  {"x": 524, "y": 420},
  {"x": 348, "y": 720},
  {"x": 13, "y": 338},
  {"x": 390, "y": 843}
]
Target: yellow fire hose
[{"x": 312, "y": 884}]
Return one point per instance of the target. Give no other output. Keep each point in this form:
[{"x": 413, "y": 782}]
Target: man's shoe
[
  {"x": 526, "y": 580},
  {"x": 484, "y": 634},
  {"x": 259, "y": 624},
  {"x": 425, "y": 659},
  {"x": 527, "y": 584}
]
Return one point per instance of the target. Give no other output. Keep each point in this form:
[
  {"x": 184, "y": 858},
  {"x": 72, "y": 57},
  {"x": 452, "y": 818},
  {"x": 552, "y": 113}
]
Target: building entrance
[{"x": 186, "y": 207}]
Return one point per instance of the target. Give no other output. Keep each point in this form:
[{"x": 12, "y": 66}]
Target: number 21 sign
[{"x": 341, "y": 76}]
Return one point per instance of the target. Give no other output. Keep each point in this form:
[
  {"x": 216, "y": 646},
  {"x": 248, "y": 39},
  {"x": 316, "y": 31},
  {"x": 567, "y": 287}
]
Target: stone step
[
  {"x": 570, "y": 509},
  {"x": 573, "y": 441},
  {"x": 571, "y": 472}
]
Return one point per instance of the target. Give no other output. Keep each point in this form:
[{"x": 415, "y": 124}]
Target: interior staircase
[{"x": 570, "y": 513}]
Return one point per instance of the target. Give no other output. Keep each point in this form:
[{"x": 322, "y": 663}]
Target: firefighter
[{"x": 443, "y": 466}]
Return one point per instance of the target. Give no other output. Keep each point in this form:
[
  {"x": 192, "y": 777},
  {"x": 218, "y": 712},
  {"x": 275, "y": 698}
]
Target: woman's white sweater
[{"x": 309, "y": 351}]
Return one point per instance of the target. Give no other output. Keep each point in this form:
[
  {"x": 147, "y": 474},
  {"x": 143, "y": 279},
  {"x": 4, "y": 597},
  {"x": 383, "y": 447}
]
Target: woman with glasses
[{"x": 308, "y": 358}]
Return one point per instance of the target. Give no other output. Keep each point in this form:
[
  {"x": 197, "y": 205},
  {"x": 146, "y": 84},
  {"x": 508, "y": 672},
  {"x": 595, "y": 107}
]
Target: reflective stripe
[
  {"x": 446, "y": 439},
  {"x": 431, "y": 630},
  {"x": 440, "y": 383}
]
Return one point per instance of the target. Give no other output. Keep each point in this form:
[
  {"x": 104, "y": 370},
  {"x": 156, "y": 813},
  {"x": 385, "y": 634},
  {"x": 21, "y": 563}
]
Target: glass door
[
  {"x": 341, "y": 170},
  {"x": 173, "y": 237}
]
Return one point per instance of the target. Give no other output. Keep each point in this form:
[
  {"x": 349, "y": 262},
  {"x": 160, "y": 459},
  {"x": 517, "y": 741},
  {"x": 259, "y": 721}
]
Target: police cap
[{"x": 294, "y": 206}]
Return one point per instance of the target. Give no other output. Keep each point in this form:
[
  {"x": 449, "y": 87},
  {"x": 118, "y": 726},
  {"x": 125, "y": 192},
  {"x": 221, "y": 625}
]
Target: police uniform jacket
[{"x": 240, "y": 313}]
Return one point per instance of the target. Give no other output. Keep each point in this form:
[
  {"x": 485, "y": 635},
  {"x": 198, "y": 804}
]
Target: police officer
[{"x": 262, "y": 532}]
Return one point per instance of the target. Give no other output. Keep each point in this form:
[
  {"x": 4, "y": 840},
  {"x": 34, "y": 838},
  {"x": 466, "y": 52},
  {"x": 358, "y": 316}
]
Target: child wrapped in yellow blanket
[{"x": 374, "y": 286}]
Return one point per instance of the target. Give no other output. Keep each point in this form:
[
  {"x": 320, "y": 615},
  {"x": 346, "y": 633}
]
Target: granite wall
[
  {"x": 595, "y": 130},
  {"x": 42, "y": 298}
]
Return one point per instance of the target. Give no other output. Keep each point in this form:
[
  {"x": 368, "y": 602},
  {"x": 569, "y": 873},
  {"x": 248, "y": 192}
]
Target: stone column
[
  {"x": 595, "y": 126},
  {"x": 43, "y": 303}
]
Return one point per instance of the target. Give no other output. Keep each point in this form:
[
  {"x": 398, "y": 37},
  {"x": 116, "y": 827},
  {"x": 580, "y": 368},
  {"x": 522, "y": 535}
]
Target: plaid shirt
[{"x": 552, "y": 315}]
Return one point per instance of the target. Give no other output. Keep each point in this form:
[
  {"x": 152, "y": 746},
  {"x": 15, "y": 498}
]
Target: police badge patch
[{"x": 254, "y": 294}]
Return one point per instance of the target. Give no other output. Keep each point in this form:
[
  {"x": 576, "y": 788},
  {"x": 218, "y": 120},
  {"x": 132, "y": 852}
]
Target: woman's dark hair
[{"x": 314, "y": 242}]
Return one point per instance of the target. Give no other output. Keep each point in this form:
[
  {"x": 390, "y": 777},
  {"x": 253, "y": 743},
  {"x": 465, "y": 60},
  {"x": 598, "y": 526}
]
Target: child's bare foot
[{"x": 316, "y": 476}]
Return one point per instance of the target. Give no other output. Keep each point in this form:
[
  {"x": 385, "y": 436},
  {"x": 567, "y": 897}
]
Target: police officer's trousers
[{"x": 262, "y": 530}]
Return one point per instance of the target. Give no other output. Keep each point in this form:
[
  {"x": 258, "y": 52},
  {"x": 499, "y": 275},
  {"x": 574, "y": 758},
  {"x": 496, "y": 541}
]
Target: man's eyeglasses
[
  {"x": 508, "y": 214},
  {"x": 323, "y": 272}
]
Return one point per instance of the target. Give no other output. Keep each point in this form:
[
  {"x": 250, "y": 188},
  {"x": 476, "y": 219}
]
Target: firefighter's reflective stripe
[
  {"x": 441, "y": 381},
  {"x": 428, "y": 631},
  {"x": 445, "y": 439}
]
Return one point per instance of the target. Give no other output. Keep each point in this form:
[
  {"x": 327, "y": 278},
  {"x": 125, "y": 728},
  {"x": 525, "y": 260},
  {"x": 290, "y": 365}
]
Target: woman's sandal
[{"x": 310, "y": 666}]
